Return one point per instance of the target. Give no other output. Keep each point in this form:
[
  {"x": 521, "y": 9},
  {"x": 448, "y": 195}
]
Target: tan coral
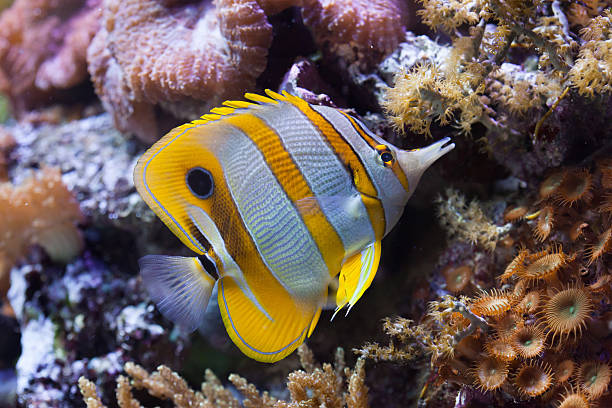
[
  {"x": 551, "y": 184},
  {"x": 186, "y": 58},
  {"x": 529, "y": 303},
  {"x": 544, "y": 265},
  {"x": 501, "y": 348},
  {"x": 544, "y": 223},
  {"x": 515, "y": 213},
  {"x": 43, "y": 44},
  {"x": 515, "y": 266},
  {"x": 40, "y": 211},
  {"x": 373, "y": 28},
  {"x": 533, "y": 379},
  {"x": 564, "y": 370},
  {"x": 594, "y": 378},
  {"x": 573, "y": 398},
  {"x": 507, "y": 324}
]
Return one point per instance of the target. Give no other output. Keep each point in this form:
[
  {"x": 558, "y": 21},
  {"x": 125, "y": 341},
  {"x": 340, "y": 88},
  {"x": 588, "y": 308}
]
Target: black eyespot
[
  {"x": 386, "y": 157},
  {"x": 200, "y": 182}
]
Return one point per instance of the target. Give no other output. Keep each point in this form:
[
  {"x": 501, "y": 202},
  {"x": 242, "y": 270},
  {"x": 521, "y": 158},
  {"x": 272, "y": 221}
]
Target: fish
[{"x": 277, "y": 198}]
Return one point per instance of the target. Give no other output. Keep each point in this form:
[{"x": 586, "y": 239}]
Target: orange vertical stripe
[
  {"x": 290, "y": 178},
  {"x": 346, "y": 154}
]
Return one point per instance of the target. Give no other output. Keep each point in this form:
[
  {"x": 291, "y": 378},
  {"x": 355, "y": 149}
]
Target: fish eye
[
  {"x": 385, "y": 155},
  {"x": 200, "y": 182}
]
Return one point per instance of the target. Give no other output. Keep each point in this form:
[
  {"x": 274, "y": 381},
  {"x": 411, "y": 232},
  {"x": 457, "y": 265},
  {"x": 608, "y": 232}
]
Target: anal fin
[
  {"x": 179, "y": 286},
  {"x": 253, "y": 332},
  {"x": 356, "y": 276}
]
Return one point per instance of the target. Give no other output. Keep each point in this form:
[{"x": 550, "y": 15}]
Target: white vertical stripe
[
  {"x": 385, "y": 181},
  {"x": 324, "y": 173},
  {"x": 279, "y": 234}
]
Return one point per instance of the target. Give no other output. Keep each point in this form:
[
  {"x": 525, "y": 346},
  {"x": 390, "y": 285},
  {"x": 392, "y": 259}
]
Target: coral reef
[
  {"x": 540, "y": 324},
  {"x": 357, "y": 30},
  {"x": 516, "y": 101},
  {"x": 40, "y": 211},
  {"x": 185, "y": 58},
  {"x": 43, "y": 44},
  {"x": 333, "y": 386}
]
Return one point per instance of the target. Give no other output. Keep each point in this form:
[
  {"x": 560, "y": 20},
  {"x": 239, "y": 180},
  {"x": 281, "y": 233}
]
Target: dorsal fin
[{"x": 230, "y": 107}]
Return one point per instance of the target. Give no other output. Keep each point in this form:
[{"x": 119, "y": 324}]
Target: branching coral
[
  {"x": 40, "y": 211},
  {"x": 43, "y": 44},
  {"x": 592, "y": 72},
  {"x": 351, "y": 29},
  {"x": 483, "y": 81},
  {"x": 185, "y": 58},
  {"x": 467, "y": 222},
  {"x": 334, "y": 386}
]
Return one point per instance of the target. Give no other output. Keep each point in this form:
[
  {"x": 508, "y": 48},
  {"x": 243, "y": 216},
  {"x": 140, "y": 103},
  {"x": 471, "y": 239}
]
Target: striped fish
[{"x": 280, "y": 196}]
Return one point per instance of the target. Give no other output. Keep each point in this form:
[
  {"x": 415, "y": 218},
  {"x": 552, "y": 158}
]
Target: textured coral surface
[
  {"x": 186, "y": 58},
  {"x": 43, "y": 44}
]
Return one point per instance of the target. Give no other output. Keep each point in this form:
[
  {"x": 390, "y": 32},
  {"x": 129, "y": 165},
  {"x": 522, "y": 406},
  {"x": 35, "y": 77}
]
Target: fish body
[{"x": 281, "y": 196}]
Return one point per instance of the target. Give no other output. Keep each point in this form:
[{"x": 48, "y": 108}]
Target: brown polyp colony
[{"x": 540, "y": 330}]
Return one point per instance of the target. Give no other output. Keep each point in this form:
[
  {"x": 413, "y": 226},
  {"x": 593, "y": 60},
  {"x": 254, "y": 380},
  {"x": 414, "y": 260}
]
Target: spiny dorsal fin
[{"x": 230, "y": 107}]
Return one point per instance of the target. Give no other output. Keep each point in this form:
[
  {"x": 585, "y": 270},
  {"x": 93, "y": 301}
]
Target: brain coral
[
  {"x": 373, "y": 28},
  {"x": 184, "y": 57},
  {"x": 42, "y": 48}
]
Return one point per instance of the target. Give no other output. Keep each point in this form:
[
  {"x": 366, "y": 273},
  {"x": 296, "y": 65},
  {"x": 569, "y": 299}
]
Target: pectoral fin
[
  {"x": 356, "y": 276},
  {"x": 180, "y": 286}
]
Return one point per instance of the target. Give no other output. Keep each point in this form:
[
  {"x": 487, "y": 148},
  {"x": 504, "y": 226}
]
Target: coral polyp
[
  {"x": 533, "y": 379},
  {"x": 550, "y": 185},
  {"x": 528, "y": 341},
  {"x": 602, "y": 244},
  {"x": 501, "y": 348},
  {"x": 574, "y": 399},
  {"x": 529, "y": 303},
  {"x": 457, "y": 278},
  {"x": 544, "y": 223},
  {"x": 564, "y": 370},
  {"x": 594, "y": 378},
  {"x": 543, "y": 266},
  {"x": 566, "y": 313},
  {"x": 576, "y": 186},
  {"x": 494, "y": 303},
  {"x": 489, "y": 373}
]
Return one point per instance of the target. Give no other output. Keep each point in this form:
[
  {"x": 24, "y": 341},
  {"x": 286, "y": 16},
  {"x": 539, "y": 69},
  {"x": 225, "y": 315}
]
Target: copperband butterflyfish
[{"x": 280, "y": 197}]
